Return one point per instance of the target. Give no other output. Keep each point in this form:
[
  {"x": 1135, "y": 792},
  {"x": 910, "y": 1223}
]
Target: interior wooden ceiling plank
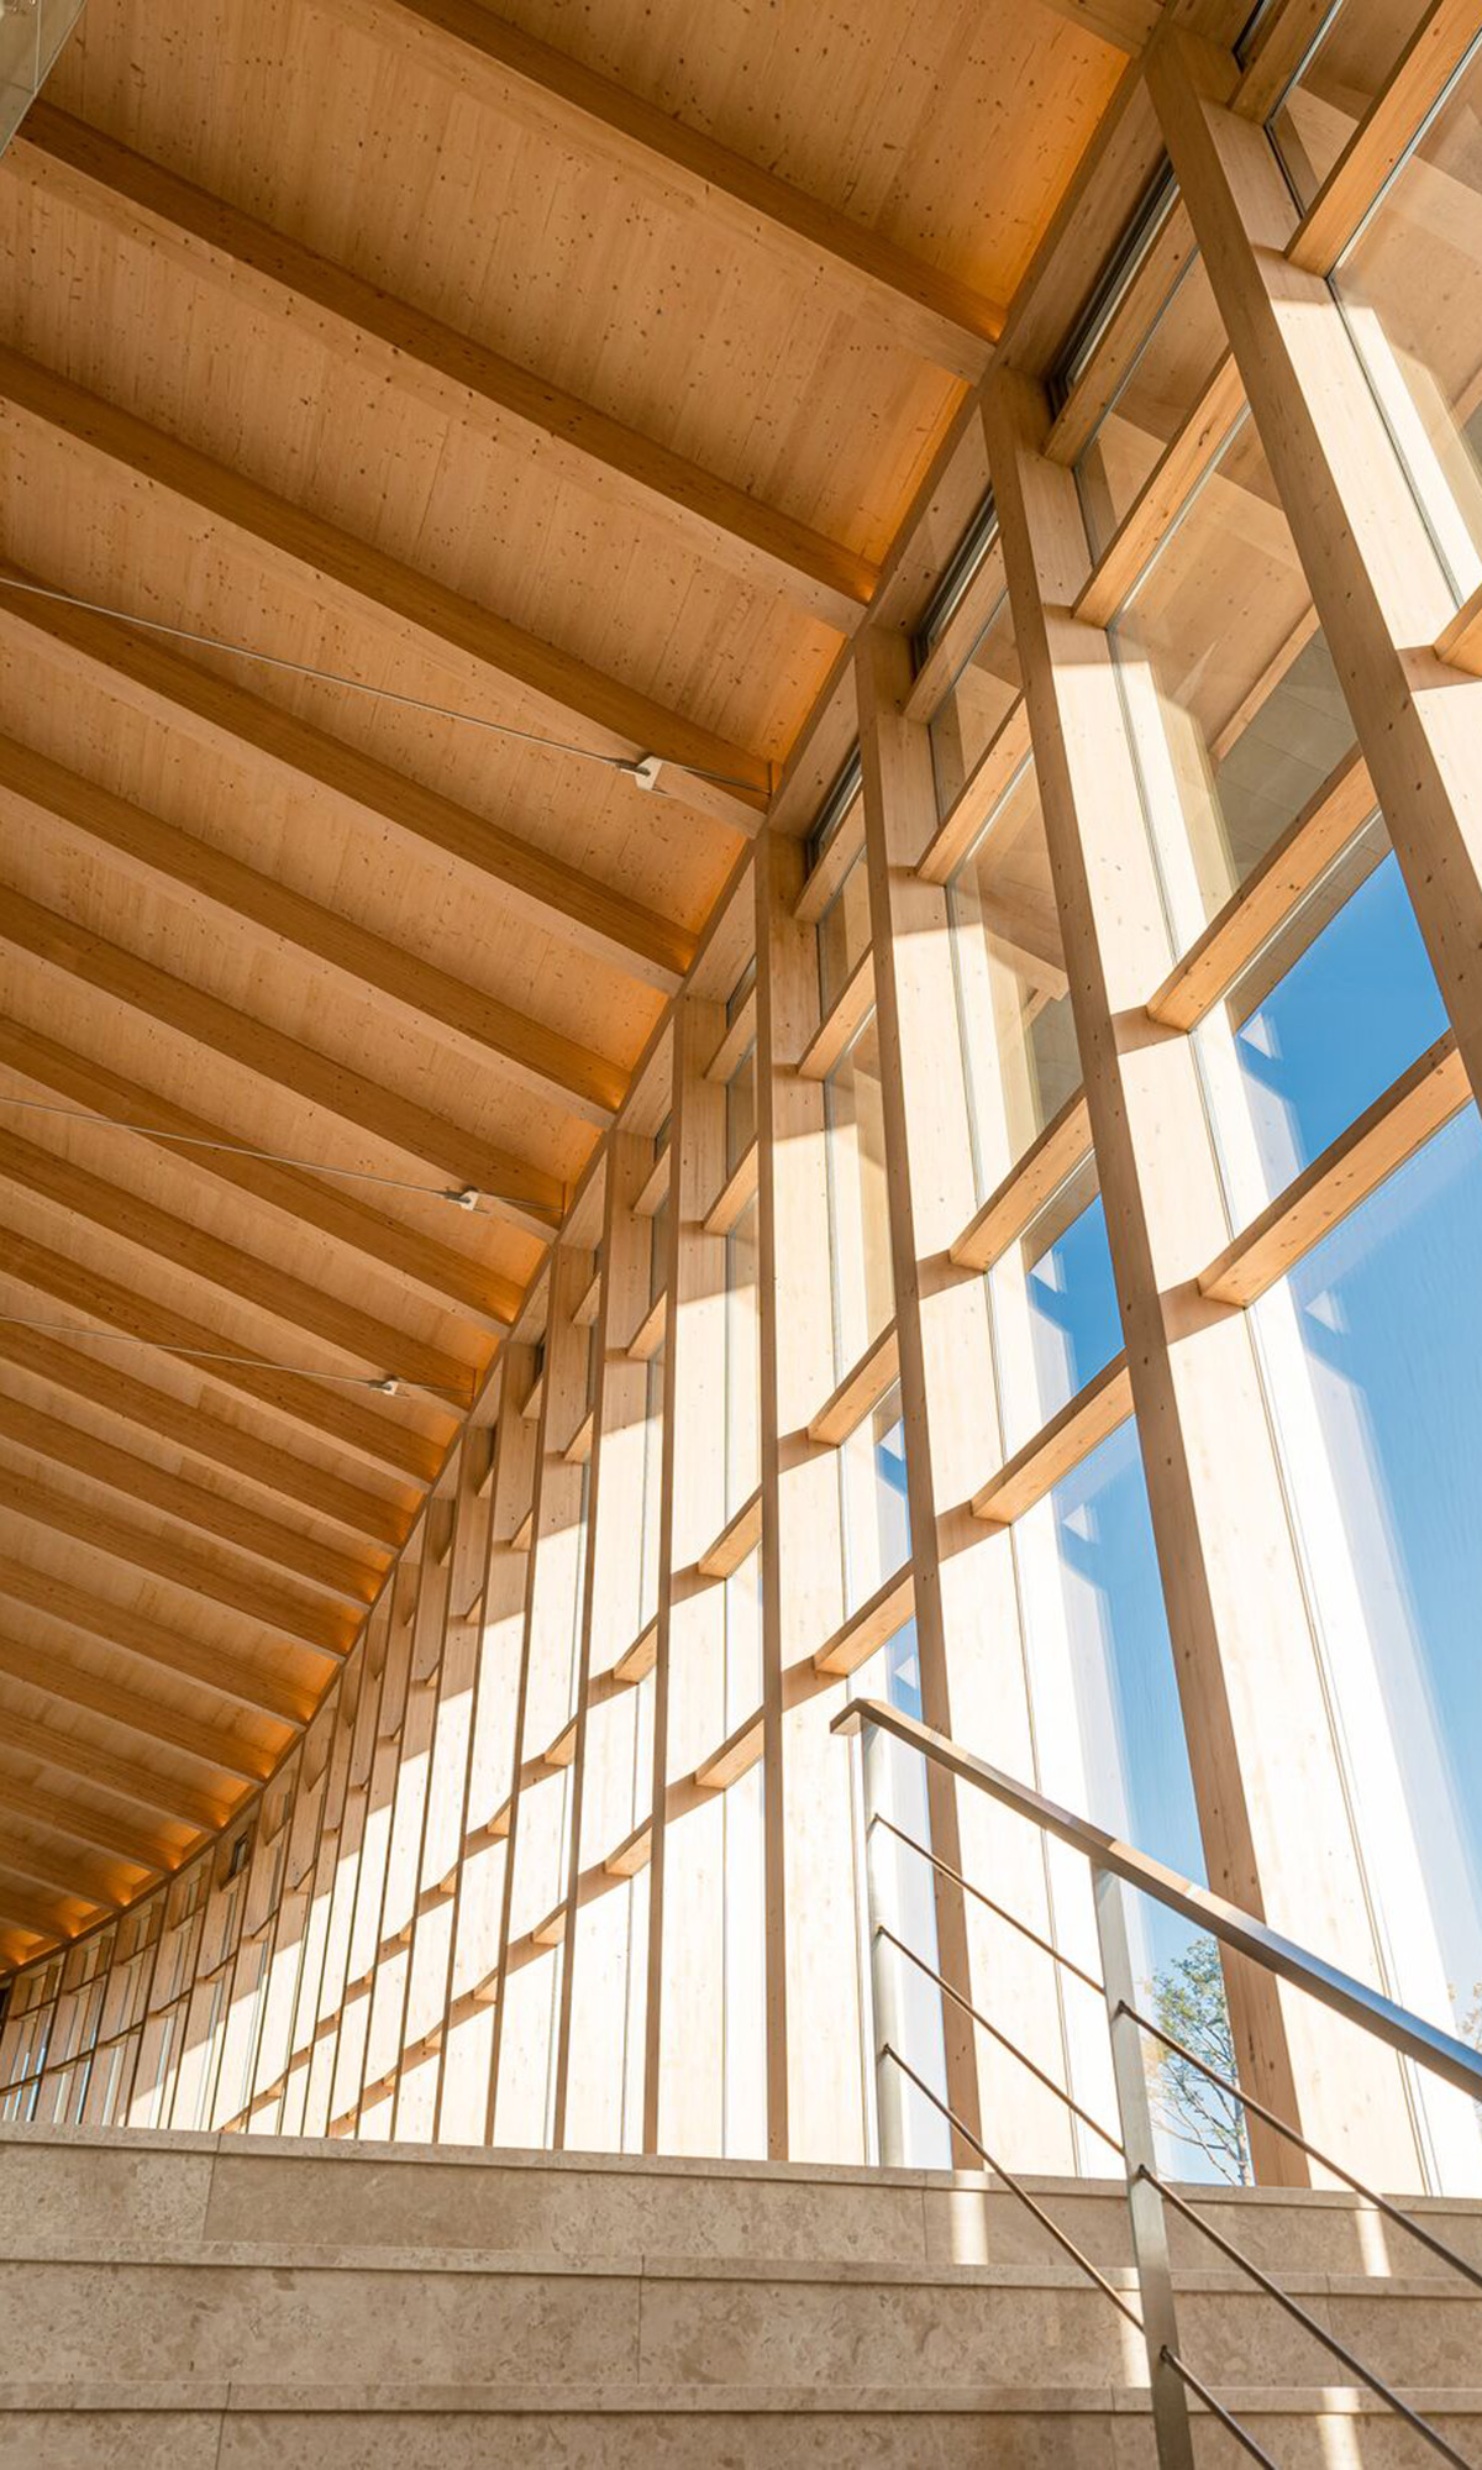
[
  {"x": 612, "y": 718},
  {"x": 483, "y": 1029},
  {"x": 372, "y": 1433},
  {"x": 114, "y": 1625},
  {"x": 193, "y": 1505},
  {"x": 67, "y": 1871},
  {"x": 279, "y": 1608},
  {"x": 449, "y": 1278},
  {"x": 591, "y": 914},
  {"x": 125, "y": 1777},
  {"x": 291, "y": 1302},
  {"x": 394, "y": 341},
  {"x": 525, "y": 1193},
  {"x": 212, "y": 1745},
  {"x": 60, "y": 1814},
  {"x": 54, "y": 1918},
  {"x": 922, "y": 307}
]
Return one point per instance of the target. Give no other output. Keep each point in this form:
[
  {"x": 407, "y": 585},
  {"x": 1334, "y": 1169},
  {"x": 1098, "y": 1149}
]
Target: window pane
[
  {"x": 741, "y": 1110},
  {"x": 1056, "y": 1320},
  {"x": 1350, "y": 65},
  {"x": 743, "y": 1361},
  {"x": 1018, "y": 1036},
  {"x": 1408, "y": 286},
  {"x": 1238, "y": 714},
  {"x": 863, "y": 1283},
  {"x": 872, "y": 1485},
  {"x": 843, "y": 935},
  {"x": 1371, "y": 1347},
  {"x": 1155, "y": 398},
  {"x": 975, "y": 707},
  {"x": 1338, "y": 1005}
]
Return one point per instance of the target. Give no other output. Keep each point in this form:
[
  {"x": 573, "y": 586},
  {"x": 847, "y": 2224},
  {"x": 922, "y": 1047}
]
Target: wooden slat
[
  {"x": 323, "y": 1626},
  {"x": 634, "y": 1852},
  {"x": 647, "y": 1339},
  {"x": 1182, "y": 464},
  {"x": 1268, "y": 895},
  {"x": 449, "y": 371},
  {"x": 1128, "y": 25},
  {"x": 212, "y": 1744},
  {"x": 991, "y": 777},
  {"x": 193, "y": 1427},
  {"x": 102, "y": 1462},
  {"x": 740, "y": 1034},
  {"x": 922, "y": 308},
  {"x": 1460, "y": 643},
  {"x": 162, "y": 1794},
  {"x": 1351, "y": 1168},
  {"x": 451, "y": 1279},
  {"x": 846, "y": 1018},
  {"x": 656, "y": 1191},
  {"x": 1056, "y": 1153},
  {"x": 522, "y": 1191},
  {"x": 826, "y": 877},
  {"x": 550, "y": 1931},
  {"x": 562, "y": 898},
  {"x": 869, "y": 1626},
  {"x": 740, "y": 1535},
  {"x": 362, "y": 580},
  {"x": 1069, "y": 1437},
  {"x": 480, "y": 1028},
  {"x": 862, "y": 1388},
  {"x": 738, "y": 1190},
  {"x": 949, "y": 653},
  {"x": 230, "y": 1675},
  {"x": 578, "y": 1449},
  {"x": 1143, "y": 301},
  {"x": 242, "y": 1275},
  {"x": 1438, "y": 44},
  {"x": 639, "y": 1659},
  {"x": 126, "y": 1839},
  {"x": 737, "y": 1755},
  {"x": 1287, "y": 34},
  {"x": 586, "y": 1311}
]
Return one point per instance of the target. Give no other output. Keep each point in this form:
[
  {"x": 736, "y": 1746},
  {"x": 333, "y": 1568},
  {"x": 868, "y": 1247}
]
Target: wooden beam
[
  {"x": 863, "y": 1387},
  {"x": 392, "y": 341},
  {"x": 1440, "y": 42},
  {"x": 562, "y": 899},
  {"x": 740, "y": 1535},
  {"x": 524, "y": 1193},
  {"x": 1459, "y": 644},
  {"x": 364, "y": 582},
  {"x": 833, "y": 1034},
  {"x": 230, "y": 1674},
  {"x": 162, "y": 1794},
  {"x": 870, "y": 1626},
  {"x": 452, "y": 1279},
  {"x": 103, "y": 1462},
  {"x": 1056, "y": 1152},
  {"x": 991, "y": 777},
  {"x": 1070, "y": 1436},
  {"x": 194, "y": 1428},
  {"x": 737, "y": 1192},
  {"x": 1178, "y": 470},
  {"x": 737, "y": 1755},
  {"x": 38, "y": 1913},
  {"x": 481, "y": 1029},
  {"x": 67, "y": 1873},
  {"x": 210, "y": 1743},
  {"x": 328, "y": 1628},
  {"x": 1351, "y": 1168},
  {"x": 242, "y": 1275},
  {"x": 919, "y": 307},
  {"x": 1127, "y": 25},
  {"x": 126, "y": 1842}
]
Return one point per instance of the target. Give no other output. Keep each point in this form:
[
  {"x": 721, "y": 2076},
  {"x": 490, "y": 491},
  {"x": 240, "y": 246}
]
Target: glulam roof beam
[
  {"x": 66, "y": 1873},
  {"x": 138, "y": 666},
  {"x": 526, "y": 1193},
  {"x": 918, "y": 306},
  {"x": 125, "y": 1840},
  {"x": 453, "y": 1280},
  {"x": 164, "y": 1795},
  {"x": 373, "y": 1433},
  {"x": 271, "y": 914},
  {"x": 38, "y": 1914},
  {"x": 389, "y": 339},
  {"x": 366, "y": 582},
  {"x": 229, "y": 1674},
  {"x": 326, "y": 1627},
  {"x": 292, "y": 1302},
  {"x": 72, "y": 1687},
  {"x": 194, "y": 1505}
]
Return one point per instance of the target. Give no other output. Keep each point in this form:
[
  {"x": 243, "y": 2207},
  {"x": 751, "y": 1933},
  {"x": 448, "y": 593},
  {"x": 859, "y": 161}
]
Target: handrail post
[
  {"x": 883, "y": 2019},
  {"x": 1145, "y": 2205}
]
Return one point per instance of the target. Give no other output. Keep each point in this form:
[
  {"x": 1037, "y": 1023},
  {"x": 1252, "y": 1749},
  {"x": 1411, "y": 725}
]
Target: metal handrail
[
  {"x": 1408, "y": 2034},
  {"x": 1113, "y": 1864},
  {"x": 1000, "y": 1912}
]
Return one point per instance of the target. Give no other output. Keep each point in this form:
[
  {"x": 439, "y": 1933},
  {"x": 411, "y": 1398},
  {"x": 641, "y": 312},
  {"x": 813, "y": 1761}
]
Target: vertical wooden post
[{"x": 1275, "y": 1825}]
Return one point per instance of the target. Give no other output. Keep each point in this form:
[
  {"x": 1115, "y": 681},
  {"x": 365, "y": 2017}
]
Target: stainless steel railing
[{"x": 1113, "y": 1865}]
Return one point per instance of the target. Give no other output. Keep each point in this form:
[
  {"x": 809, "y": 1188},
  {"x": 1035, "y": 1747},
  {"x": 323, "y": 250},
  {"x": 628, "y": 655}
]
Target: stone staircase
[{"x": 181, "y": 2302}]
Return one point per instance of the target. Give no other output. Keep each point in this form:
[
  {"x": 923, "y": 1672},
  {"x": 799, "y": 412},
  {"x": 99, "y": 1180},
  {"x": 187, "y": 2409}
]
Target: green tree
[{"x": 1188, "y": 2003}]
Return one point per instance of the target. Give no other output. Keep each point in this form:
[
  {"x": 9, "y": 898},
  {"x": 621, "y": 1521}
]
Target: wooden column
[
  {"x": 817, "y": 2103},
  {"x": 1374, "y": 576},
  {"x": 1276, "y": 1831},
  {"x": 972, "y": 1674}
]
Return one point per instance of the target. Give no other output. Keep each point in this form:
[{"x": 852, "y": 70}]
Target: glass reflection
[
  {"x": 859, "y": 1212},
  {"x": 975, "y": 706},
  {"x": 1161, "y": 388}
]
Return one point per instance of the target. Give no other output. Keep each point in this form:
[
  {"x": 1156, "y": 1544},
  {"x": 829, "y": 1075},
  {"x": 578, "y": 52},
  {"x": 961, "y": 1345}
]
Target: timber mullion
[{"x": 1436, "y": 49}]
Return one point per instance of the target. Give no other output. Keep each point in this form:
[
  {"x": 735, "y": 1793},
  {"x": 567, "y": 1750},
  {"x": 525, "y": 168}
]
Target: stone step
[
  {"x": 251, "y": 2311},
  {"x": 245, "y": 2426},
  {"x": 125, "y": 2186}
]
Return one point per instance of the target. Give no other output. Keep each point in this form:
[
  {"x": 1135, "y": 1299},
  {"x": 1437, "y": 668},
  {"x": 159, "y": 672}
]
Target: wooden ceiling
[{"x": 570, "y": 368}]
